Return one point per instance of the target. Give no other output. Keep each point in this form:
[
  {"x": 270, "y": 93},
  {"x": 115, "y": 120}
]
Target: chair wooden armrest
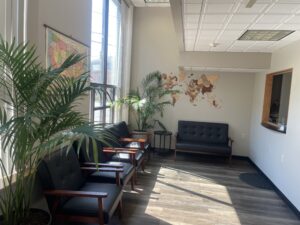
[
  {"x": 120, "y": 150},
  {"x": 139, "y": 140},
  {"x": 69, "y": 193},
  {"x": 95, "y": 169},
  {"x": 102, "y": 165}
]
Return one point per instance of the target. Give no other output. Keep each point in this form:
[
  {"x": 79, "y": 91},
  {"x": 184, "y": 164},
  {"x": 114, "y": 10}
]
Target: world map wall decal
[{"x": 197, "y": 87}]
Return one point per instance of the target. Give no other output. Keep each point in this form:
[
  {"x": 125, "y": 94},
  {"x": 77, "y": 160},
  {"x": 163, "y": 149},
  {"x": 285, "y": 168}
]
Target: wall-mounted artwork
[
  {"x": 194, "y": 86},
  {"x": 60, "y": 46}
]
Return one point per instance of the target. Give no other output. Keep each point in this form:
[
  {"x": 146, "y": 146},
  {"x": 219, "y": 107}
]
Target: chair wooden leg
[
  {"x": 175, "y": 155},
  {"x": 100, "y": 207},
  {"x": 143, "y": 165},
  {"x": 120, "y": 209},
  {"x": 132, "y": 182},
  {"x": 135, "y": 176}
]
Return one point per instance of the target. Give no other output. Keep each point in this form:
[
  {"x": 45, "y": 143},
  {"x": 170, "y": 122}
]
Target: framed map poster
[{"x": 60, "y": 46}]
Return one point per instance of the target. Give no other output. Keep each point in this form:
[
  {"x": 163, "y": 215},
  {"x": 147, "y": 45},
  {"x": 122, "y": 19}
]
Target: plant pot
[
  {"x": 142, "y": 134},
  {"x": 36, "y": 217}
]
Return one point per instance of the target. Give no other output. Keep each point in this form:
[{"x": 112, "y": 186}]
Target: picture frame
[{"x": 59, "y": 46}]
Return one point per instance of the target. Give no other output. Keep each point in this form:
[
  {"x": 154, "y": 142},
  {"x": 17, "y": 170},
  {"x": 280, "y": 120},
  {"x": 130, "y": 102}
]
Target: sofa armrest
[
  {"x": 102, "y": 165},
  {"x": 69, "y": 193}
]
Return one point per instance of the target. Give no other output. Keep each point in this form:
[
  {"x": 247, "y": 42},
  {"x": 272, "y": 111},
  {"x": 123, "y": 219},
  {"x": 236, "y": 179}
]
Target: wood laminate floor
[{"x": 198, "y": 190}]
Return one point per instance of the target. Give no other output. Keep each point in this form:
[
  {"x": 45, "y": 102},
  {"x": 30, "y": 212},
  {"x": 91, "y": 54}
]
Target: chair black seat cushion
[
  {"x": 204, "y": 147},
  {"x": 110, "y": 177},
  {"x": 89, "y": 206}
]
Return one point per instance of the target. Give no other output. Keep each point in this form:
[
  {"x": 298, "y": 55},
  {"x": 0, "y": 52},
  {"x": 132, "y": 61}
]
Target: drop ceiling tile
[
  {"x": 255, "y": 9},
  {"x": 272, "y": 19},
  {"x": 191, "y": 25},
  {"x": 214, "y": 18},
  {"x": 209, "y": 33},
  {"x": 190, "y": 33},
  {"x": 231, "y": 34},
  {"x": 212, "y": 26},
  {"x": 294, "y": 20},
  {"x": 243, "y": 18},
  {"x": 192, "y": 1},
  {"x": 237, "y": 26},
  {"x": 284, "y": 8},
  {"x": 289, "y": 26},
  {"x": 202, "y": 48},
  {"x": 192, "y": 8},
  {"x": 220, "y": 1},
  {"x": 218, "y": 8},
  {"x": 191, "y": 18},
  {"x": 262, "y": 26}
]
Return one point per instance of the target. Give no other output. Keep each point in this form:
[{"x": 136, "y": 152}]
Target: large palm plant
[
  {"x": 39, "y": 116},
  {"x": 147, "y": 101}
]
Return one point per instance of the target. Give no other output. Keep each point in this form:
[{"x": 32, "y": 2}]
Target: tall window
[{"x": 105, "y": 57}]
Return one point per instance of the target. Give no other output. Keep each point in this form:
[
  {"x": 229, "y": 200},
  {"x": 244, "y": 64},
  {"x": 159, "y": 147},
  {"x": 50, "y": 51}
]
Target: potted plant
[
  {"x": 146, "y": 103},
  {"x": 39, "y": 116}
]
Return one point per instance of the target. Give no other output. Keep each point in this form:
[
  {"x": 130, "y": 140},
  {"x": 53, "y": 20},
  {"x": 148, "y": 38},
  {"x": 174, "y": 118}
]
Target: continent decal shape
[{"x": 197, "y": 87}]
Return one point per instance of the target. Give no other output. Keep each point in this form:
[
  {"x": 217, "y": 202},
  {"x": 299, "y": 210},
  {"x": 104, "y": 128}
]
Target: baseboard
[{"x": 281, "y": 195}]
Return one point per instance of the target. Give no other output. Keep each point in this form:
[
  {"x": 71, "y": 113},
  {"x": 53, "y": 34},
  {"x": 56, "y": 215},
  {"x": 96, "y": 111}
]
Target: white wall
[
  {"x": 155, "y": 47},
  {"x": 72, "y": 17},
  {"x": 275, "y": 153}
]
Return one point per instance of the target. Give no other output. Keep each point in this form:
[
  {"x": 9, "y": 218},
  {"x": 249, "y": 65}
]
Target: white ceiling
[
  {"x": 141, "y": 3},
  {"x": 224, "y": 21}
]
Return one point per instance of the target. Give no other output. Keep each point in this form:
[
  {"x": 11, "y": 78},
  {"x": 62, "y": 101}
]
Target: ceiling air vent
[{"x": 265, "y": 35}]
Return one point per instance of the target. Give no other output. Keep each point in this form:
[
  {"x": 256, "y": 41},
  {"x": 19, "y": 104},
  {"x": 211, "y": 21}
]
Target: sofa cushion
[
  {"x": 204, "y": 147},
  {"x": 110, "y": 177},
  {"x": 89, "y": 206},
  {"x": 190, "y": 131}
]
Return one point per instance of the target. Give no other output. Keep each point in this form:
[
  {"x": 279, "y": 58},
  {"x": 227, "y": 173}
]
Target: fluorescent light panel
[
  {"x": 265, "y": 35},
  {"x": 157, "y": 1}
]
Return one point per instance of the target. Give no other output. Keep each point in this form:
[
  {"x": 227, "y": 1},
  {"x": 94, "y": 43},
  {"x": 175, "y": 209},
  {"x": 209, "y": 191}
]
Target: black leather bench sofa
[{"x": 203, "y": 137}]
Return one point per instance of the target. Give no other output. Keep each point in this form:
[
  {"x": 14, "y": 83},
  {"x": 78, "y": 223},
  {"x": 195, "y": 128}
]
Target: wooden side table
[{"x": 163, "y": 146}]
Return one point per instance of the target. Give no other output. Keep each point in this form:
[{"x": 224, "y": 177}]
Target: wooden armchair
[
  {"x": 86, "y": 157},
  {"x": 71, "y": 196}
]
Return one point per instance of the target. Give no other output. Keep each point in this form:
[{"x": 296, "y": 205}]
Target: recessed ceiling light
[
  {"x": 157, "y": 1},
  {"x": 265, "y": 35}
]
